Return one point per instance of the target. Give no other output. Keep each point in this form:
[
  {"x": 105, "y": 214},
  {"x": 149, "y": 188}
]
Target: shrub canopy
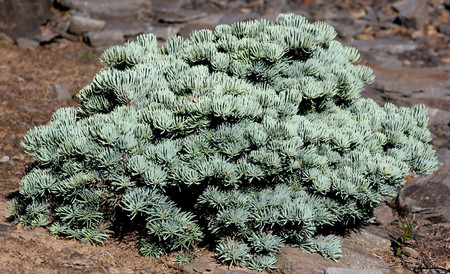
[{"x": 248, "y": 137}]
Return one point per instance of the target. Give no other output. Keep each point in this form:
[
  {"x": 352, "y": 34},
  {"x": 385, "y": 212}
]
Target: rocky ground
[{"x": 406, "y": 42}]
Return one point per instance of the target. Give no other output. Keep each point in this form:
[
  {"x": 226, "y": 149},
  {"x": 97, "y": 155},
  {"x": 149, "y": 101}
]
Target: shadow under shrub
[{"x": 245, "y": 138}]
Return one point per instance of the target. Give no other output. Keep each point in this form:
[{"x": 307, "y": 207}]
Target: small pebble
[
  {"x": 4, "y": 159},
  {"x": 4, "y": 230},
  {"x": 400, "y": 270},
  {"x": 406, "y": 63},
  {"x": 76, "y": 254},
  {"x": 83, "y": 262},
  {"x": 411, "y": 252},
  {"x": 62, "y": 92}
]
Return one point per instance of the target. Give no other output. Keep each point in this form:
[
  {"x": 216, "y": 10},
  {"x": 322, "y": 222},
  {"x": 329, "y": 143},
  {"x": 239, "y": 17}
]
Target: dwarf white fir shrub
[{"x": 245, "y": 138}]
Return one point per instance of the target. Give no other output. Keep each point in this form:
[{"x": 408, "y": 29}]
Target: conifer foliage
[{"x": 245, "y": 138}]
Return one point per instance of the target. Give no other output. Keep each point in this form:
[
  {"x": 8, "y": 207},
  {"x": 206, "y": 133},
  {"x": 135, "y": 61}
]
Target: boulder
[
  {"x": 372, "y": 238},
  {"x": 428, "y": 196},
  {"x": 392, "y": 45},
  {"x": 105, "y": 38},
  {"x": 416, "y": 85},
  {"x": 347, "y": 26},
  {"x": 128, "y": 26},
  {"x": 384, "y": 51},
  {"x": 23, "y": 18},
  {"x": 292, "y": 260},
  {"x": 47, "y": 38},
  {"x": 354, "y": 257},
  {"x": 164, "y": 33},
  {"x": 26, "y": 43},
  {"x": 412, "y": 13},
  {"x": 81, "y": 24}
]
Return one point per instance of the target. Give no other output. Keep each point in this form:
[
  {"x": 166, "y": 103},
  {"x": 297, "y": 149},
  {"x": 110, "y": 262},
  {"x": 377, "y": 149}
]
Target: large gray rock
[
  {"x": 347, "y": 26},
  {"x": 47, "y": 38},
  {"x": 428, "y": 196},
  {"x": 81, "y": 24},
  {"x": 23, "y": 18},
  {"x": 438, "y": 116},
  {"x": 292, "y": 260},
  {"x": 356, "y": 256},
  {"x": 416, "y": 85},
  {"x": 26, "y": 43},
  {"x": 372, "y": 238},
  {"x": 163, "y": 33},
  {"x": 384, "y": 51},
  {"x": 127, "y": 25},
  {"x": 104, "y": 7},
  {"x": 105, "y": 38},
  {"x": 394, "y": 44},
  {"x": 412, "y": 13}
]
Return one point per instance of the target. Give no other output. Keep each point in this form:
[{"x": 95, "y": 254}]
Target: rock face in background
[
  {"x": 23, "y": 18},
  {"x": 367, "y": 22},
  {"x": 80, "y": 25},
  {"x": 102, "y": 23},
  {"x": 412, "y": 13},
  {"x": 94, "y": 8}
]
